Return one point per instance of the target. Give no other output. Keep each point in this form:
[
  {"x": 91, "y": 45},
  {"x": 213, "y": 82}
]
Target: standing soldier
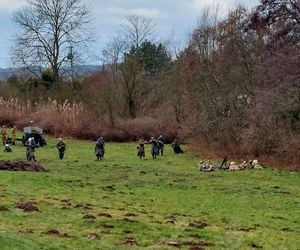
[
  {"x": 141, "y": 149},
  {"x": 30, "y": 149},
  {"x": 154, "y": 147},
  {"x": 4, "y": 134},
  {"x": 161, "y": 145},
  {"x": 13, "y": 135},
  {"x": 61, "y": 146},
  {"x": 99, "y": 148}
]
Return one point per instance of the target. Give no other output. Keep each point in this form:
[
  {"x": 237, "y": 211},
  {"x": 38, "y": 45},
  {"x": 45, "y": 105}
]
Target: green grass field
[{"x": 125, "y": 200}]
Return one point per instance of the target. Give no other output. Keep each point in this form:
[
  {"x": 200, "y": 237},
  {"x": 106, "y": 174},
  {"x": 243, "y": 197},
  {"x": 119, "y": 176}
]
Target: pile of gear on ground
[{"x": 208, "y": 167}]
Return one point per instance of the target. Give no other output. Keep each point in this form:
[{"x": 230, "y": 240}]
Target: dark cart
[{"x": 36, "y": 133}]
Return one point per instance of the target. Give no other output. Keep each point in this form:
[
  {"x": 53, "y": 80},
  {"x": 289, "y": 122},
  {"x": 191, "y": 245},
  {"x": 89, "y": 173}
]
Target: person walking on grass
[
  {"x": 161, "y": 145},
  {"x": 100, "y": 148},
  {"x": 61, "y": 146},
  {"x": 154, "y": 147},
  {"x": 141, "y": 148},
  {"x": 30, "y": 149}
]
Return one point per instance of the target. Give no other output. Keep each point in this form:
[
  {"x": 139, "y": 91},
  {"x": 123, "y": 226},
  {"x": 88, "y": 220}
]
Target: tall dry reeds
[
  {"x": 78, "y": 121},
  {"x": 59, "y": 118},
  {"x": 53, "y": 117},
  {"x": 12, "y": 110}
]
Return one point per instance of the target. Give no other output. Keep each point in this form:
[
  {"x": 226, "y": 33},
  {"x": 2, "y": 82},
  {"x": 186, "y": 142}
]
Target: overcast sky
[{"x": 170, "y": 16}]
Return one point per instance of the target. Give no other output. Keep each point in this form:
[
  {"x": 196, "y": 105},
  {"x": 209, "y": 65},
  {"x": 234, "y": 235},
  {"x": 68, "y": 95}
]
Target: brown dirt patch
[
  {"x": 254, "y": 245},
  {"x": 130, "y": 242},
  {"x": 246, "y": 229},
  {"x": 197, "y": 245},
  {"x": 65, "y": 235},
  {"x": 106, "y": 215},
  {"x": 170, "y": 222},
  {"x": 92, "y": 236},
  {"x": 109, "y": 188},
  {"x": 106, "y": 225},
  {"x": 129, "y": 220},
  {"x": 89, "y": 217},
  {"x": 3, "y": 209},
  {"x": 78, "y": 206},
  {"x": 143, "y": 212},
  {"x": 27, "y": 206},
  {"x": 21, "y": 166},
  {"x": 54, "y": 232},
  {"x": 195, "y": 236},
  {"x": 130, "y": 215},
  {"x": 198, "y": 224},
  {"x": 65, "y": 200}
]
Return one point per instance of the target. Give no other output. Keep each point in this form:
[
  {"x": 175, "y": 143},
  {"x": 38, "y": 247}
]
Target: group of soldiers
[
  {"x": 5, "y": 138},
  {"x": 157, "y": 147},
  {"x": 61, "y": 146},
  {"x": 32, "y": 143}
]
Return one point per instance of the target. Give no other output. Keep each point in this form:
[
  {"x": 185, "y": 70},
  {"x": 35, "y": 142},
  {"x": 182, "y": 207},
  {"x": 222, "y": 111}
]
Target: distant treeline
[{"x": 233, "y": 90}]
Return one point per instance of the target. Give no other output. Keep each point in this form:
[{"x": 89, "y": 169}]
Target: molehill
[{"x": 21, "y": 166}]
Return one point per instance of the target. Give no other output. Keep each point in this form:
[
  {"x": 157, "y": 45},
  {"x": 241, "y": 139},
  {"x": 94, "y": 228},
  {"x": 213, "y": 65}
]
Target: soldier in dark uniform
[
  {"x": 61, "y": 146},
  {"x": 30, "y": 149},
  {"x": 4, "y": 135},
  {"x": 176, "y": 147},
  {"x": 99, "y": 148},
  {"x": 154, "y": 147},
  {"x": 161, "y": 144},
  {"x": 141, "y": 148}
]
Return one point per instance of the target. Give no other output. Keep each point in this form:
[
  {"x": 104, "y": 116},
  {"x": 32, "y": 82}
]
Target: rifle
[{"x": 224, "y": 163}]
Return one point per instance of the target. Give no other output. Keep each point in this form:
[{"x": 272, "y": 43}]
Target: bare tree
[
  {"x": 113, "y": 54},
  {"x": 204, "y": 37},
  {"x": 126, "y": 69},
  {"x": 46, "y": 31},
  {"x": 137, "y": 30}
]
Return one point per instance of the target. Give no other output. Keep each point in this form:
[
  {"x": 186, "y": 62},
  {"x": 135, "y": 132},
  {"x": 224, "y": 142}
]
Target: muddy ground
[{"x": 21, "y": 166}]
